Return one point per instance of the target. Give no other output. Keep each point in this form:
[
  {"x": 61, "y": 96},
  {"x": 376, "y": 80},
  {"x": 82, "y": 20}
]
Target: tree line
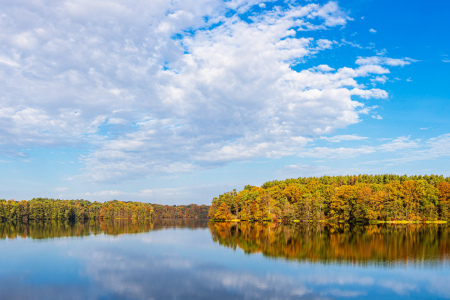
[
  {"x": 361, "y": 198},
  {"x": 43, "y": 209},
  {"x": 51, "y": 209},
  {"x": 191, "y": 211}
]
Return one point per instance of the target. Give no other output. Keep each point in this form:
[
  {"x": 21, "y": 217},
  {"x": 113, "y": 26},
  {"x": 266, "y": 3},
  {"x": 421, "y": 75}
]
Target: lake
[{"x": 194, "y": 259}]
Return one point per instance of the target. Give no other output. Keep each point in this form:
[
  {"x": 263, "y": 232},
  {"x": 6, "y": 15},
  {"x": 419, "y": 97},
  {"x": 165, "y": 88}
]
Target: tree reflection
[
  {"x": 336, "y": 243},
  {"x": 57, "y": 229},
  {"x": 310, "y": 242}
]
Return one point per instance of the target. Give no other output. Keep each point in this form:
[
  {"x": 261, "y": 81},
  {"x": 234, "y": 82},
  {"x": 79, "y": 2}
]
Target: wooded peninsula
[{"x": 360, "y": 198}]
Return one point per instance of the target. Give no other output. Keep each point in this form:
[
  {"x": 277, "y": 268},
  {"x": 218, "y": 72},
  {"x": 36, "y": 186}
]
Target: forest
[
  {"x": 51, "y": 209},
  {"x": 359, "y": 198},
  {"x": 43, "y": 209},
  {"x": 192, "y": 211}
]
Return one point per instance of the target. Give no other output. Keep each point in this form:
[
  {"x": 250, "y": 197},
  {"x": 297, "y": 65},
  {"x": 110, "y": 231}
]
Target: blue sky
[{"x": 178, "y": 101}]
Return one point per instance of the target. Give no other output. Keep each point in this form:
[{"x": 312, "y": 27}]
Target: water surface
[{"x": 191, "y": 259}]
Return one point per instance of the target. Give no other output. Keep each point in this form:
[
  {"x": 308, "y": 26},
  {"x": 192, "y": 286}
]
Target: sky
[{"x": 178, "y": 101}]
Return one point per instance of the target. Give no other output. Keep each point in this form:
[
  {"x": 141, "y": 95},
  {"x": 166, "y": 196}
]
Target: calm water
[{"x": 197, "y": 260}]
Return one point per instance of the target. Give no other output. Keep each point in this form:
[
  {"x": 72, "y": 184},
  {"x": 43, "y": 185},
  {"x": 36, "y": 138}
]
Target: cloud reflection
[
  {"x": 187, "y": 264},
  {"x": 175, "y": 275}
]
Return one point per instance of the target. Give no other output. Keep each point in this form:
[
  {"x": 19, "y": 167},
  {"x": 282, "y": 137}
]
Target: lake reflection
[
  {"x": 186, "y": 259},
  {"x": 338, "y": 243}
]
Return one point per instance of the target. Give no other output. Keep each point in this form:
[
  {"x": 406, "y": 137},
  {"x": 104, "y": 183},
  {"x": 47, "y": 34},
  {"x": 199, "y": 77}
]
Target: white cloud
[
  {"x": 9, "y": 62},
  {"x": 435, "y": 148},
  {"x": 353, "y": 44},
  {"x": 381, "y": 79},
  {"x": 341, "y": 152},
  {"x": 400, "y": 150},
  {"x": 106, "y": 193},
  {"x": 331, "y": 13},
  {"x": 340, "y": 138},
  {"x": 372, "y": 30},
  {"x": 166, "y": 87},
  {"x": 381, "y": 60},
  {"x": 399, "y": 144},
  {"x": 324, "y": 68}
]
